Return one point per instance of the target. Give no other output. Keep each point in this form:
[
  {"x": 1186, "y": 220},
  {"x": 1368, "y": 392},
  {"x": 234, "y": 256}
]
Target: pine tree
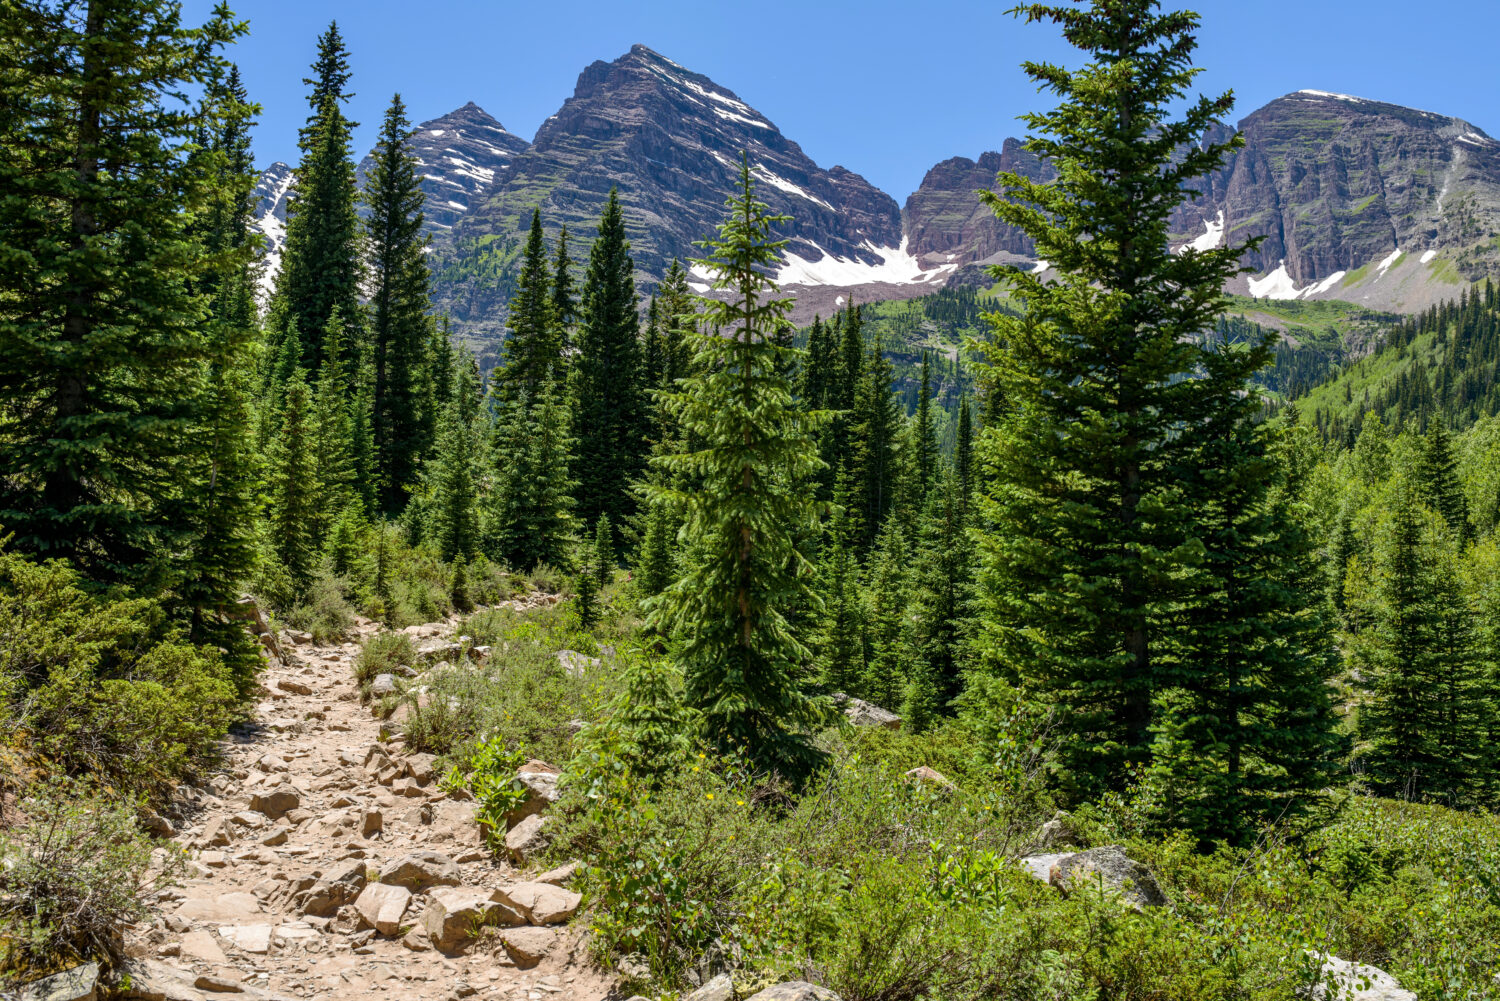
[
  {"x": 293, "y": 487},
  {"x": 320, "y": 264},
  {"x": 533, "y": 345},
  {"x": 924, "y": 436},
  {"x": 1423, "y": 728},
  {"x": 873, "y": 424},
  {"x": 888, "y": 623},
  {"x": 676, "y": 316},
  {"x": 333, "y": 428},
  {"x": 453, "y": 490},
  {"x": 398, "y": 306},
  {"x": 103, "y": 344},
  {"x": 564, "y": 303},
  {"x": 940, "y": 579},
  {"x": 1091, "y": 384},
  {"x": 534, "y": 524},
  {"x": 604, "y": 552},
  {"x": 963, "y": 452},
  {"x": 743, "y": 667},
  {"x": 609, "y": 405},
  {"x": 817, "y": 377},
  {"x": 841, "y": 639},
  {"x": 1437, "y": 480}
]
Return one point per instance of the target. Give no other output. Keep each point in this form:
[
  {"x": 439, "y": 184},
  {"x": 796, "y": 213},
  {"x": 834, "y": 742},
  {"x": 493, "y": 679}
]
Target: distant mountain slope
[
  {"x": 670, "y": 140},
  {"x": 459, "y": 156}
]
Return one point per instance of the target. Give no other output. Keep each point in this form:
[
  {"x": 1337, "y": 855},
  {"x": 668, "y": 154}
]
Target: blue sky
[{"x": 885, "y": 88}]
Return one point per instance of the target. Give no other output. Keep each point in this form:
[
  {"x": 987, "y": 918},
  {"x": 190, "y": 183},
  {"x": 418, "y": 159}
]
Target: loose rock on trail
[{"x": 327, "y": 863}]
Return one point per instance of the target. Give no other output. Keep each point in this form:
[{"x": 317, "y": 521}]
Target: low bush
[
  {"x": 325, "y": 611},
  {"x": 77, "y": 871},
  {"x": 382, "y": 653},
  {"x": 101, "y": 686}
]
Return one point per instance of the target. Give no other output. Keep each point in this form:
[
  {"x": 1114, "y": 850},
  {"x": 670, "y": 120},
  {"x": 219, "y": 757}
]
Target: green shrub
[
  {"x": 325, "y": 611},
  {"x": 382, "y": 653},
  {"x": 77, "y": 870},
  {"x": 104, "y": 686}
]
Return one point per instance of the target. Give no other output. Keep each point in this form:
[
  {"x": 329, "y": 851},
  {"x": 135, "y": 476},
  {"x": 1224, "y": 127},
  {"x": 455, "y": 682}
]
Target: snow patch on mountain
[
  {"x": 1428, "y": 256},
  {"x": 1211, "y": 238},
  {"x": 272, "y": 193},
  {"x": 1386, "y": 264},
  {"x": 1340, "y": 97},
  {"x": 1280, "y": 285},
  {"x": 896, "y": 267},
  {"x": 762, "y": 173}
]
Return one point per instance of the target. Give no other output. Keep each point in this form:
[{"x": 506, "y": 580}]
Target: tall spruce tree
[
  {"x": 105, "y": 334},
  {"x": 873, "y": 425},
  {"x": 924, "y": 435},
  {"x": 533, "y": 343},
  {"x": 963, "y": 451},
  {"x": 320, "y": 264},
  {"x": 294, "y": 488},
  {"x": 534, "y": 523},
  {"x": 1092, "y": 385},
  {"x": 744, "y": 668},
  {"x": 1437, "y": 479},
  {"x": 841, "y": 637},
  {"x": 564, "y": 301},
  {"x": 609, "y": 422},
  {"x": 398, "y": 306}
]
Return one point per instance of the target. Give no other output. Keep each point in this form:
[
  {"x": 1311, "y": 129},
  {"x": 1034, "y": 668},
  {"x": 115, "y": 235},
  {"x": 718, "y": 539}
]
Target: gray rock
[
  {"x": 1346, "y": 981},
  {"x": 527, "y": 838},
  {"x": 1040, "y": 866},
  {"x": 540, "y": 903},
  {"x": 384, "y": 684},
  {"x": 153, "y": 981},
  {"x": 1116, "y": 870},
  {"x": 541, "y": 792},
  {"x": 796, "y": 990},
  {"x": 576, "y": 664},
  {"x": 931, "y": 777},
  {"x": 862, "y": 713},
  {"x": 455, "y": 915},
  {"x": 81, "y": 983},
  {"x": 1057, "y": 831},
  {"x": 420, "y": 871},
  {"x": 720, "y": 988},
  {"x": 341, "y": 886}
]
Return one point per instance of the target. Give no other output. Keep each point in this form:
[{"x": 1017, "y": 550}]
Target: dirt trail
[{"x": 310, "y": 804}]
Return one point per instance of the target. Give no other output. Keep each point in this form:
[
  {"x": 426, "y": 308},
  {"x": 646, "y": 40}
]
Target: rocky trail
[{"x": 324, "y": 862}]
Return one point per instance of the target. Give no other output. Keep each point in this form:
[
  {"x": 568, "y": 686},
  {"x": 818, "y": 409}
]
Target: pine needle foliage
[{"x": 744, "y": 666}]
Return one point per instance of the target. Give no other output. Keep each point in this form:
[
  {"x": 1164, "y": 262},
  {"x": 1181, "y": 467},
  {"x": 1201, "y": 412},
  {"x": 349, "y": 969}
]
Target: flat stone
[
  {"x": 541, "y": 792},
  {"x": 220, "y": 983},
  {"x": 527, "y": 946},
  {"x": 924, "y": 776},
  {"x": 1040, "y": 866},
  {"x": 421, "y": 870},
  {"x": 456, "y": 914},
  {"x": 384, "y": 684},
  {"x": 295, "y": 687},
  {"x": 221, "y": 908},
  {"x": 382, "y": 905},
  {"x": 81, "y": 983},
  {"x": 541, "y": 903},
  {"x": 561, "y": 876},
  {"x": 862, "y": 713},
  {"x": 200, "y": 945},
  {"x": 154, "y": 981},
  {"x": 795, "y": 990},
  {"x": 249, "y": 938}
]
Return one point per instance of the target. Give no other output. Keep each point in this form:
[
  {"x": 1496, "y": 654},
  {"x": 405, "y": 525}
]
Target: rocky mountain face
[
  {"x": 1354, "y": 199},
  {"x": 460, "y": 157},
  {"x": 670, "y": 141}
]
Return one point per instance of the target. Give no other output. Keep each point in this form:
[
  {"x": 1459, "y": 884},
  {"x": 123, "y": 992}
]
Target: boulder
[
  {"x": 930, "y": 777},
  {"x": 341, "y": 886},
  {"x": 419, "y": 767},
  {"x": 527, "y": 946},
  {"x": 384, "y": 684},
  {"x": 862, "y": 713},
  {"x": 1346, "y": 981},
  {"x": 382, "y": 906},
  {"x": 150, "y": 980},
  {"x": 796, "y": 990},
  {"x": 1057, "y": 831},
  {"x": 275, "y": 801},
  {"x": 561, "y": 876},
  {"x": 432, "y": 651},
  {"x": 541, "y": 792},
  {"x": 576, "y": 664},
  {"x": 372, "y": 821},
  {"x": 298, "y": 637},
  {"x": 455, "y": 915},
  {"x": 540, "y": 903},
  {"x": 1040, "y": 866},
  {"x": 720, "y": 988},
  {"x": 250, "y": 938},
  {"x": 527, "y": 838},
  {"x": 421, "y": 870},
  {"x": 81, "y": 983},
  {"x": 1117, "y": 871}
]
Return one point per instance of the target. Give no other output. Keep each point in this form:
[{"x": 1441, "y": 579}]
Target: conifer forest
[{"x": 412, "y": 610}]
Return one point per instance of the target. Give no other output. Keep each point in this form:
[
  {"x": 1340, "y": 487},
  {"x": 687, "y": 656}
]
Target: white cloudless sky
[{"x": 884, "y": 88}]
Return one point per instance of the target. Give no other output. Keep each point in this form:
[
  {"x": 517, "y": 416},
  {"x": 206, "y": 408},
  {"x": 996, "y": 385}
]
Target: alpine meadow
[{"x": 638, "y": 563}]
